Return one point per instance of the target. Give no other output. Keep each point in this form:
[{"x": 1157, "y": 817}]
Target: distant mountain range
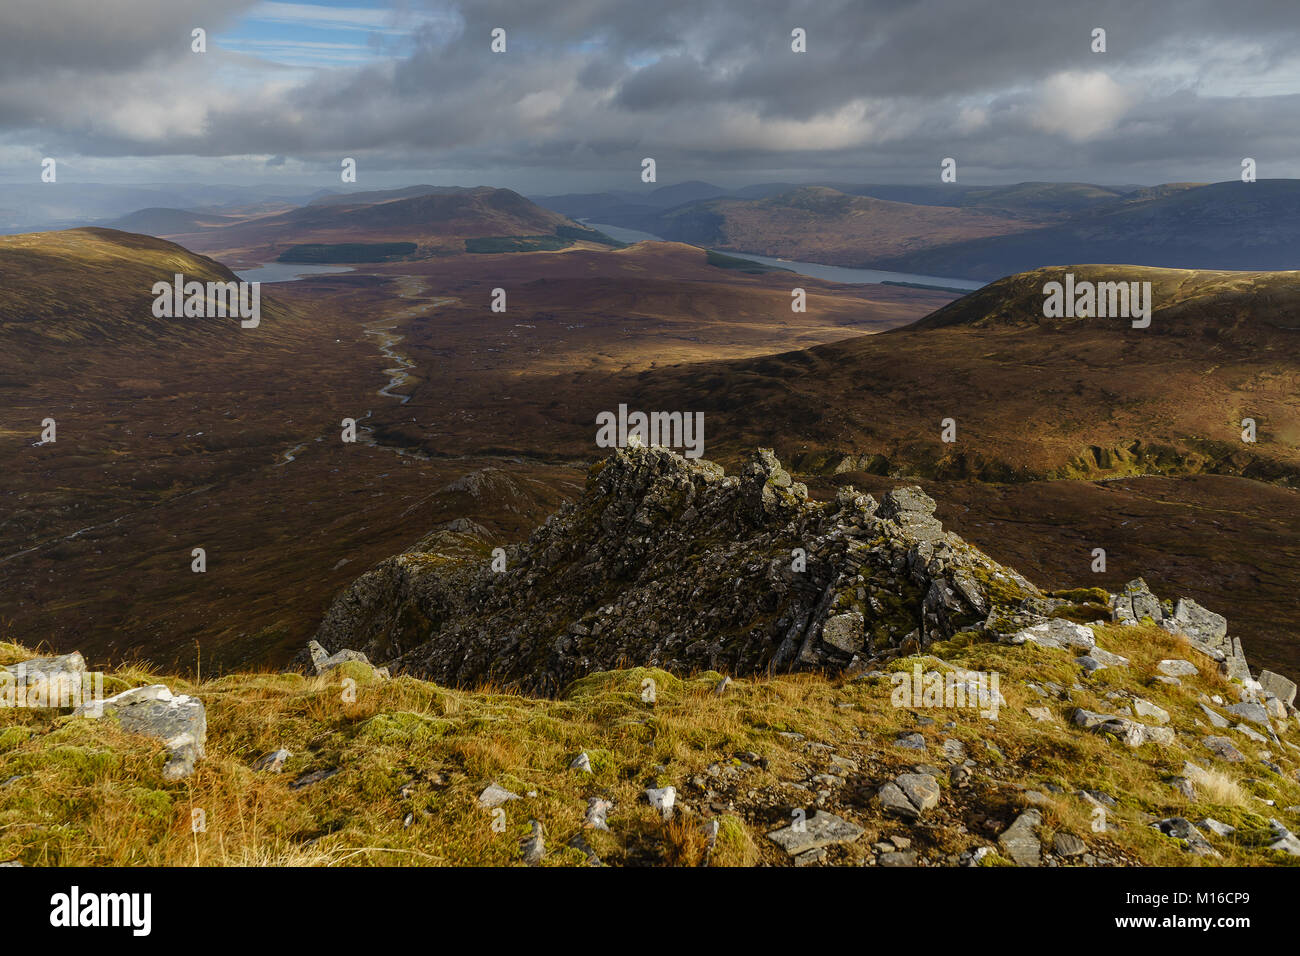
[{"x": 973, "y": 232}]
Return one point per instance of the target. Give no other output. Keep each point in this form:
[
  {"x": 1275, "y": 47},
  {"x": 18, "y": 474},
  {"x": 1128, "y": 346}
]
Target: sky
[{"x": 1011, "y": 89}]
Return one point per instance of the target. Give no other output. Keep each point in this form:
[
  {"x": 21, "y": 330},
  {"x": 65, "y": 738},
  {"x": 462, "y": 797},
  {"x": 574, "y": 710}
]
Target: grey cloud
[{"x": 590, "y": 83}]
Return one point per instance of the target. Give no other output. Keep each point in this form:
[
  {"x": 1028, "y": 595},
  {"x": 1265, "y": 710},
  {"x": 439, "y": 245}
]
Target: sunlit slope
[
  {"x": 95, "y": 285},
  {"x": 1030, "y": 396}
]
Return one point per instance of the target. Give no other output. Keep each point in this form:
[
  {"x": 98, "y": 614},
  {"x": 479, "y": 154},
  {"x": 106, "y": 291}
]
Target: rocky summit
[
  {"x": 672, "y": 563},
  {"x": 669, "y": 562}
]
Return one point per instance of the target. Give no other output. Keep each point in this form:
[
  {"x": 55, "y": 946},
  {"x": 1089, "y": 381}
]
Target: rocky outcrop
[{"x": 670, "y": 562}]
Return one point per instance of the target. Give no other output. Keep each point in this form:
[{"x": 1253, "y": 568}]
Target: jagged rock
[
  {"x": 1177, "y": 668},
  {"x": 1280, "y": 687},
  {"x": 1200, "y": 624},
  {"x": 822, "y": 829},
  {"x": 845, "y": 632},
  {"x": 272, "y": 762},
  {"x": 1182, "y": 829},
  {"x": 177, "y": 719},
  {"x": 669, "y": 562},
  {"x": 1218, "y": 720},
  {"x": 1040, "y": 714},
  {"x": 1104, "y": 658},
  {"x": 1067, "y": 844},
  {"x": 533, "y": 846},
  {"x": 494, "y": 795},
  {"x": 1019, "y": 841},
  {"x": 1223, "y": 748},
  {"x": 1136, "y": 602},
  {"x": 1252, "y": 711},
  {"x": 1144, "y": 708},
  {"x": 1217, "y": 828},
  {"x": 1088, "y": 719},
  {"x": 909, "y": 795},
  {"x": 1284, "y": 841},
  {"x": 1055, "y": 632},
  {"x": 581, "y": 763},
  {"x": 623, "y": 567},
  {"x": 597, "y": 809}
]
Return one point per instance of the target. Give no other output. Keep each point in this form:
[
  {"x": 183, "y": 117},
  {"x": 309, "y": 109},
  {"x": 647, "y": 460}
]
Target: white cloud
[{"x": 1080, "y": 106}]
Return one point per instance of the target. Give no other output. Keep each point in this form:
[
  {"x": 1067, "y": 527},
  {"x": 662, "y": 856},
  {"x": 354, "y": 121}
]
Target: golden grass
[{"x": 412, "y": 758}]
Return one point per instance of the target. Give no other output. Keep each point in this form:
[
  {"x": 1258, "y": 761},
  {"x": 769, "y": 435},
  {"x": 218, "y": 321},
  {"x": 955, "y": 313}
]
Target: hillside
[
  {"x": 944, "y": 712},
  {"x": 1038, "y": 202},
  {"x": 161, "y": 221},
  {"x": 1230, "y": 225},
  {"x": 818, "y": 224},
  {"x": 1033, "y": 397},
  {"x": 86, "y": 285},
  {"x": 437, "y": 221},
  {"x": 172, "y": 436}
]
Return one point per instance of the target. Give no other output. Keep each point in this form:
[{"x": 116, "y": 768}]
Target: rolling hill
[
  {"x": 95, "y": 284},
  {"x": 1033, "y": 397},
  {"x": 435, "y": 221},
  {"x": 163, "y": 221}
]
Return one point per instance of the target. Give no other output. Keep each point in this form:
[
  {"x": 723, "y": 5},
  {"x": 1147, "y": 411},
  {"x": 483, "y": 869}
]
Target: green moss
[
  {"x": 360, "y": 672},
  {"x": 404, "y": 729},
  {"x": 1083, "y": 595},
  {"x": 623, "y": 683},
  {"x": 75, "y": 764},
  {"x": 12, "y": 737},
  {"x": 927, "y": 663},
  {"x": 1000, "y": 588}
]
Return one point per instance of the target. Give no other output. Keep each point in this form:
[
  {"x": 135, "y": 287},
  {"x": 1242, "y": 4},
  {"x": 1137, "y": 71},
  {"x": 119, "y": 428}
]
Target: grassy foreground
[{"x": 412, "y": 758}]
